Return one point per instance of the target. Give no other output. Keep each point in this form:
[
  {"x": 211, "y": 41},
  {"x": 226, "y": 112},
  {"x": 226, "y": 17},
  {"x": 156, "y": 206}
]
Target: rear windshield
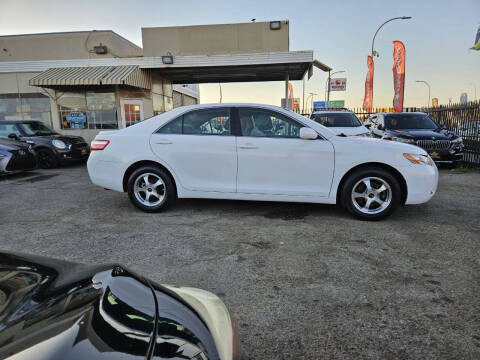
[
  {"x": 409, "y": 121},
  {"x": 336, "y": 119}
]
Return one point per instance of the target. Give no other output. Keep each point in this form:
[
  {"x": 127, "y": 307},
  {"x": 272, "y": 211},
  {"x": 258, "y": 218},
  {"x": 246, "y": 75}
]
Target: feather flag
[{"x": 476, "y": 45}]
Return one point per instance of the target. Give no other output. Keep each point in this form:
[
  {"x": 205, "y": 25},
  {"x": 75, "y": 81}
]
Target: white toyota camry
[{"x": 258, "y": 152}]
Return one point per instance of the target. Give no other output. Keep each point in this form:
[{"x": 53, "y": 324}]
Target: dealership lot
[{"x": 302, "y": 281}]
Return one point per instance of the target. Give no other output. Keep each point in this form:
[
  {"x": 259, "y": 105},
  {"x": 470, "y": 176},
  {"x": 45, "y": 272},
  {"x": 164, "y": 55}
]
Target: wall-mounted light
[
  {"x": 275, "y": 25},
  {"x": 167, "y": 59},
  {"x": 100, "y": 49}
]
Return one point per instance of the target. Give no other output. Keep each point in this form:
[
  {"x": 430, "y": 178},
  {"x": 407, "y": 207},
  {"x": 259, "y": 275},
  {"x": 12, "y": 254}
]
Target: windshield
[
  {"x": 409, "y": 121},
  {"x": 337, "y": 119},
  {"x": 37, "y": 129}
]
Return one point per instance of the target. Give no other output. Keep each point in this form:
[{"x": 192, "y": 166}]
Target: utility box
[{"x": 242, "y": 38}]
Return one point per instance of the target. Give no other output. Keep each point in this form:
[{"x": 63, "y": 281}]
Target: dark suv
[
  {"x": 52, "y": 148},
  {"x": 419, "y": 129}
]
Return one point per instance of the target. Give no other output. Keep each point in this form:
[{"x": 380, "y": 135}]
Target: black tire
[
  {"x": 373, "y": 172},
  {"x": 46, "y": 159},
  {"x": 168, "y": 189}
]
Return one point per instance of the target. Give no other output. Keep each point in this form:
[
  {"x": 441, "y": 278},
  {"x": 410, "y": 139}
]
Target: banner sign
[
  {"x": 338, "y": 84},
  {"x": 476, "y": 44},
  {"x": 368, "y": 99},
  {"x": 398, "y": 75}
]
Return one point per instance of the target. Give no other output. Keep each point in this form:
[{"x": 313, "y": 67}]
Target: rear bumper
[
  {"x": 422, "y": 183},
  {"x": 106, "y": 174}
]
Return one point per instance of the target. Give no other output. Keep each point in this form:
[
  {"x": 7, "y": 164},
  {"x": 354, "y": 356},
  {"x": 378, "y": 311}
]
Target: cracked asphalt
[{"x": 302, "y": 281}]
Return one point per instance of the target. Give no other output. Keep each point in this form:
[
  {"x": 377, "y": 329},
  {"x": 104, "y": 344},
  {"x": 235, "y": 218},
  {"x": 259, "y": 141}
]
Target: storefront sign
[
  {"x": 76, "y": 119},
  {"x": 319, "y": 105},
  {"x": 339, "y": 84}
]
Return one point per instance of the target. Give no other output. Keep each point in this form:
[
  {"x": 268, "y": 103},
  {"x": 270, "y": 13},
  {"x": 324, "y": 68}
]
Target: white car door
[
  {"x": 272, "y": 159},
  {"x": 198, "y": 146}
]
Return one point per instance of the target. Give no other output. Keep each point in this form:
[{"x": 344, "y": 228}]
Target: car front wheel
[
  {"x": 150, "y": 189},
  {"x": 371, "y": 193}
]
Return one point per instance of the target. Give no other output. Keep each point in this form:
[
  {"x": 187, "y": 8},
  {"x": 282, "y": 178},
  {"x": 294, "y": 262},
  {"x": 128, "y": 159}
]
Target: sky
[{"x": 436, "y": 39}]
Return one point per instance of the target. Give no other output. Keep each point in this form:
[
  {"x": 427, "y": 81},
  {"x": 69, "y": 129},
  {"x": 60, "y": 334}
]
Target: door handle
[
  {"x": 248, "y": 147},
  {"x": 163, "y": 142}
]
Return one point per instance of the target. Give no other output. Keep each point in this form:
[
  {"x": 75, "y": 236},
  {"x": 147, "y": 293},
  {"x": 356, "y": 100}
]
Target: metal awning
[{"x": 130, "y": 75}]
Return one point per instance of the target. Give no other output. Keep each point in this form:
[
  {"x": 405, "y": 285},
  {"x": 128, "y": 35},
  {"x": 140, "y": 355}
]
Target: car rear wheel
[
  {"x": 371, "y": 193},
  {"x": 46, "y": 159},
  {"x": 150, "y": 189}
]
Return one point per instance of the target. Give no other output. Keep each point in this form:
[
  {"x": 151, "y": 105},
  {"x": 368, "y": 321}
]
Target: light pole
[
  {"x": 327, "y": 87},
  {"x": 426, "y": 83},
  {"x": 373, "y": 53},
  {"x": 312, "y": 95}
]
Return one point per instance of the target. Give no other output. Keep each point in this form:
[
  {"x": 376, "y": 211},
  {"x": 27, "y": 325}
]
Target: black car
[
  {"x": 419, "y": 129},
  {"x": 16, "y": 156},
  {"x": 52, "y": 149},
  {"x": 53, "y": 309}
]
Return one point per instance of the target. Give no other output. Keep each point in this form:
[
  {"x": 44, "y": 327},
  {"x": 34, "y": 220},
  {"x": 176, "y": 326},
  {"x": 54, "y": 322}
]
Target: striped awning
[{"x": 130, "y": 75}]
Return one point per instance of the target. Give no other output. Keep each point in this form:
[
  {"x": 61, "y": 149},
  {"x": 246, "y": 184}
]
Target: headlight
[
  {"x": 418, "y": 159},
  {"x": 458, "y": 140},
  {"x": 403, "y": 140},
  {"x": 59, "y": 144}
]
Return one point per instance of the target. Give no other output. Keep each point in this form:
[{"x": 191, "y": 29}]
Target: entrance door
[{"x": 132, "y": 111}]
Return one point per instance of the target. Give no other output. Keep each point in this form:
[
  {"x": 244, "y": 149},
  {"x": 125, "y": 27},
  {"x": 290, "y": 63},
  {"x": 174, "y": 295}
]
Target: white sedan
[{"x": 258, "y": 152}]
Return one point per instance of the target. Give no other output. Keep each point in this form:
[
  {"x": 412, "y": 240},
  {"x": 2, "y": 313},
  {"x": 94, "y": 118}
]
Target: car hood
[
  {"x": 65, "y": 138},
  {"x": 355, "y": 130},
  {"x": 53, "y": 309},
  {"x": 423, "y": 134},
  {"x": 7, "y": 144},
  {"x": 372, "y": 145}
]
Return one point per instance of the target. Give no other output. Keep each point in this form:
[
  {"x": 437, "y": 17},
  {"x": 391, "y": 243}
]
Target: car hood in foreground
[{"x": 52, "y": 309}]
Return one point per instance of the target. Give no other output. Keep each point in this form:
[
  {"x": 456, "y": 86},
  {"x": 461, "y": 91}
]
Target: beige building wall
[
  {"x": 254, "y": 37},
  {"x": 61, "y": 46}
]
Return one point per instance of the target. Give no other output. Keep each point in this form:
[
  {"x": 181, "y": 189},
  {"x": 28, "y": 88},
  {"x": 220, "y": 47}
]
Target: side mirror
[
  {"x": 308, "y": 134},
  {"x": 380, "y": 127},
  {"x": 13, "y": 136},
  {"x": 367, "y": 125}
]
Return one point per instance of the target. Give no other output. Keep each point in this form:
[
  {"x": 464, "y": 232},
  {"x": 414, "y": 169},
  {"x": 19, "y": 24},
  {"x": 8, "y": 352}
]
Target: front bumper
[
  {"x": 422, "y": 182},
  {"x": 13, "y": 163},
  {"x": 75, "y": 154}
]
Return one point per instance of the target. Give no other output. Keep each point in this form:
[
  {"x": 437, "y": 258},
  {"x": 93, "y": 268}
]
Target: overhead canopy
[{"x": 130, "y": 75}]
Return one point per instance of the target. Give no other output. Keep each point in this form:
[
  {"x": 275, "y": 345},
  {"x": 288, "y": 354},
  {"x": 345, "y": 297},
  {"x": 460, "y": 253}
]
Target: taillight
[{"x": 99, "y": 144}]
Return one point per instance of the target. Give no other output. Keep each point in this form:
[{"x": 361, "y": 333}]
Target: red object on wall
[
  {"x": 398, "y": 75},
  {"x": 368, "y": 100}
]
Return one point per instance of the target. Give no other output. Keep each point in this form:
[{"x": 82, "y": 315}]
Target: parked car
[
  {"x": 267, "y": 153},
  {"x": 16, "y": 156},
  {"x": 52, "y": 309},
  {"x": 342, "y": 122},
  {"x": 52, "y": 149},
  {"x": 419, "y": 129}
]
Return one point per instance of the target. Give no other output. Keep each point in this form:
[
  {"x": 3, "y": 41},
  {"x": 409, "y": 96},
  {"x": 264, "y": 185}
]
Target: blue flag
[{"x": 476, "y": 45}]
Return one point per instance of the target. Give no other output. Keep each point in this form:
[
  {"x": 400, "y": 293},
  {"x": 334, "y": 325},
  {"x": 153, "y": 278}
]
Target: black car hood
[
  {"x": 8, "y": 144},
  {"x": 49, "y": 138},
  {"x": 52, "y": 309},
  {"x": 419, "y": 134}
]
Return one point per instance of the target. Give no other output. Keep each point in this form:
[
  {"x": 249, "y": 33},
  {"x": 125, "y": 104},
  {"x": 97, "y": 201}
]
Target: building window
[
  {"x": 87, "y": 110},
  {"x": 162, "y": 94},
  {"x": 132, "y": 114},
  {"x": 29, "y": 106}
]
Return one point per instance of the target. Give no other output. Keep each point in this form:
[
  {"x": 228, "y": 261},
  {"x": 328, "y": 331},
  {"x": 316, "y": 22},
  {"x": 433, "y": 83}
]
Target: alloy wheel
[
  {"x": 149, "y": 189},
  {"x": 371, "y": 195}
]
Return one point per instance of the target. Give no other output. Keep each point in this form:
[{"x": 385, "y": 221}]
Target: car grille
[
  {"x": 434, "y": 144},
  {"x": 21, "y": 162},
  {"x": 76, "y": 141}
]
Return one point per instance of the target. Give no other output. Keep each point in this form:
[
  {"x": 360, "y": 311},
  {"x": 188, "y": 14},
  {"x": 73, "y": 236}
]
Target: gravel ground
[{"x": 302, "y": 281}]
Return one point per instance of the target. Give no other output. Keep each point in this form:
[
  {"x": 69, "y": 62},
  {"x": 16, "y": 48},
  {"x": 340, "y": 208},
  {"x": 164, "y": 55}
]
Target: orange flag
[
  {"x": 398, "y": 75},
  {"x": 368, "y": 100}
]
